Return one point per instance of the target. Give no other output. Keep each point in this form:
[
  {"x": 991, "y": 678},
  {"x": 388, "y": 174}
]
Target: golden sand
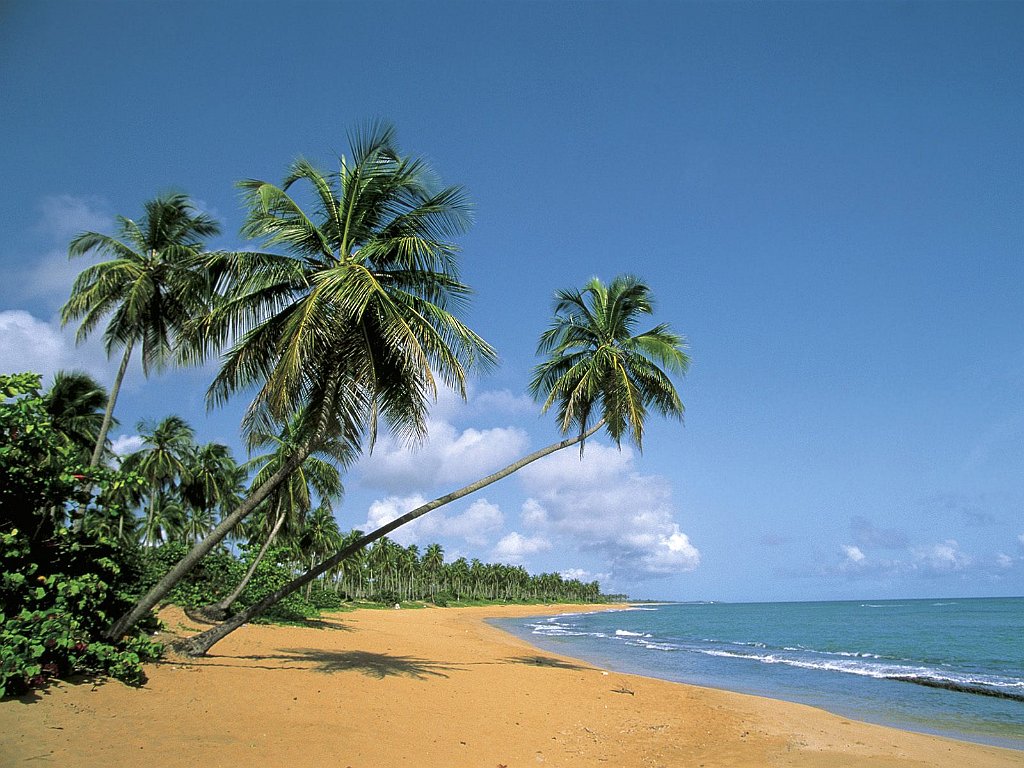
[{"x": 433, "y": 687}]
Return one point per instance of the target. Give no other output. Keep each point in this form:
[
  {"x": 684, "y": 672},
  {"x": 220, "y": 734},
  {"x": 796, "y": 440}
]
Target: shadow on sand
[
  {"x": 378, "y": 665},
  {"x": 545, "y": 661}
]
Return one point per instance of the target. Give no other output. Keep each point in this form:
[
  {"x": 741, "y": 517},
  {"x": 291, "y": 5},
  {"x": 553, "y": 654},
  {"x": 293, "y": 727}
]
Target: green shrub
[
  {"x": 55, "y": 610},
  {"x": 273, "y": 572},
  {"x": 211, "y": 580},
  {"x": 441, "y": 599},
  {"x": 59, "y": 589},
  {"x": 325, "y": 599},
  {"x": 387, "y": 597}
]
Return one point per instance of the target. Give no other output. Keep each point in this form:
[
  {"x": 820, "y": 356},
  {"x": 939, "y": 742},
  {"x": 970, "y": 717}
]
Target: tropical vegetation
[{"x": 345, "y": 320}]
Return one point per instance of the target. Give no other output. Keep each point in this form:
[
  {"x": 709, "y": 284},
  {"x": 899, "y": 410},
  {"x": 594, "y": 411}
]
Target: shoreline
[
  {"x": 858, "y": 711},
  {"x": 436, "y": 687}
]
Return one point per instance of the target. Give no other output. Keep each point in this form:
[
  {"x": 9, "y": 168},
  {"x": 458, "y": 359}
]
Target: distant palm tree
[
  {"x": 213, "y": 482},
  {"x": 214, "y": 478},
  {"x": 151, "y": 287},
  {"x": 75, "y": 402},
  {"x": 164, "y": 463},
  {"x": 597, "y": 362},
  {"x": 352, "y": 324}
]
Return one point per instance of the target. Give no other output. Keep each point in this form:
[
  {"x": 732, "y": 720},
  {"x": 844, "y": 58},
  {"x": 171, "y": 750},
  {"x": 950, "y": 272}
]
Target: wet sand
[{"x": 433, "y": 687}]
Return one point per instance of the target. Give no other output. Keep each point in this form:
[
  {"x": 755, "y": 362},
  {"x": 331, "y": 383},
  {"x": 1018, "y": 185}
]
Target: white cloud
[
  {"x": 504, "y": 402},
  {"x": 448, "y": 456},
  {"x": 602, "y": 505},
  {"x": 49, "y": 276},
  {"x": 853, "y": 554},
  {"x": 64, "y": 216},
  {"x": 583, "y": 575},
  {"x": 1004, "y": 561},
  {"x": 30, "y": 344},
  {"x": 1020, "y": 539},
  {"x": 514, "y": 548},
  {"x": 125, "y": 444},
  {"x": 477, "y": 525},
  {"x": 945, "y": 557},
  {"x": 533, "y": 514}
]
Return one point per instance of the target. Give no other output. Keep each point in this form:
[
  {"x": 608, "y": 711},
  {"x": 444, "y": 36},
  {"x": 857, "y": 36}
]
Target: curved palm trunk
[
  {"x": 199, "y": 644},
  {"x": 220, "y": 609},
  {"x": 108, "y": 415},
  {"x": 199, "y": 551}
]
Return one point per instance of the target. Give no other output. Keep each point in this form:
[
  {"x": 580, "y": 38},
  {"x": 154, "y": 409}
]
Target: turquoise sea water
[{"x": 952, "y": 667}]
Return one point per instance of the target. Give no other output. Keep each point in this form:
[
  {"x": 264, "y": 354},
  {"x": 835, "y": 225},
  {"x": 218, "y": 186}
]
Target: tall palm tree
[
  {"x": 597, "y": 363},
  {"x": 151, "y": 286},
  {"x": 75, "y": 402},
  {"x": 214, "y": 480},
  {"x": 164, "y": 463},
  {"x": 352, "y": 323}
]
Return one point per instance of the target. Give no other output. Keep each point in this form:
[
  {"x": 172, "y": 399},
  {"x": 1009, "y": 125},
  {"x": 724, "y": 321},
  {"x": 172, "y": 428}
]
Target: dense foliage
[{"x": 60, "y": 585}]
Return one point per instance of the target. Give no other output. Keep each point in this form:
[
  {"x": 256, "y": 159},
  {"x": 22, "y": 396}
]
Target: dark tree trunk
[
  {"x": 199, "y": 551},
  {"x": 108, "y": 414},
  {"x": 200, "y": 644}
]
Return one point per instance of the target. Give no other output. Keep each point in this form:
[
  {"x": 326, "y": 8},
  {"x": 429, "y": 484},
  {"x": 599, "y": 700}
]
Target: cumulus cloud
[
  {"x": 942, "y": 558},
  {"x": 1004, "y": 561},
  {"x": 448, "y": 456},
  {"x": 514, "y": 548},
  {"x": 49, "y": 276},
  {"x": 603, "y": 505},
  {"x": 477, "y": 525},
  {"x": 30, "y": 344},
  {"x": 125, "y": 444},
  {"x": 583, "y": 575},
  {"x": 853, "y": 554}
]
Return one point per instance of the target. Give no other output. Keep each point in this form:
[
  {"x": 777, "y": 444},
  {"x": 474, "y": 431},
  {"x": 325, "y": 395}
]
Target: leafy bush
[
  {"x": 273, "y": 572},
  {"x": 387, "y": 597},
  {"x": 325, "y": 599},
  {"x": 55, "y": 613},
  {"x": 59, "y": 589},
  {"x": 441, "y": 599},
  {"x": 211, "y": 580}
]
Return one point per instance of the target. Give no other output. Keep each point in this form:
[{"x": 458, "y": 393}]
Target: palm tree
[
  {"x": 352, "y": 323},
  {"x": 596, "y": 362},
  {"x": 163, "y": 462},
  {"x": 214, "y": 479},
  {"x": 289, "y": 504},
  {"x": 75, "y": 402},
  {"x": 151, "y": 286}
]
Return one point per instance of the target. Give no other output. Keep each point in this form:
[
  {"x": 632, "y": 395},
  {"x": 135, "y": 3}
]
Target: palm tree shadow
[
  {"x": 378, "y": 665},
  {"x": 545, "y": 661}
]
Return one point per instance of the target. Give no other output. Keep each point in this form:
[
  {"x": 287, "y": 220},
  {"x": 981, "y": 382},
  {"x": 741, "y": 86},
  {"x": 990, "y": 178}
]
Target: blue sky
[{"x": 826, "y": 199}]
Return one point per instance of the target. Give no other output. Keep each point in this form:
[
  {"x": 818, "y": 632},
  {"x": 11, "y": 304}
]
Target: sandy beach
[{"x": 433, "y": 687}]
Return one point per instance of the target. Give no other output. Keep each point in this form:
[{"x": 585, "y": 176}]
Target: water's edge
[{"x": 523, "y": 628}]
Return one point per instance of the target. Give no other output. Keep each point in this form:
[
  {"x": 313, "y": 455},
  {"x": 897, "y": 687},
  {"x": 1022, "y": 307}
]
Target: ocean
[{"x": 950, "y": 667}]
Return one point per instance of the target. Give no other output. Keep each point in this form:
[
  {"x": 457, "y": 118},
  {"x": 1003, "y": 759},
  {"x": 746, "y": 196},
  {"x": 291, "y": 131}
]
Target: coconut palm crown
[
  {"x": 151, "y": 285},
  {"x": 598, "y": 367},
  {"x": 352, "y": 322}
]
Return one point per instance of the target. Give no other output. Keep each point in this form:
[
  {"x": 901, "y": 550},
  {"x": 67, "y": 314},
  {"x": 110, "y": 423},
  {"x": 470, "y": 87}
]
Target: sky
[{"x": 826, "y": 199}]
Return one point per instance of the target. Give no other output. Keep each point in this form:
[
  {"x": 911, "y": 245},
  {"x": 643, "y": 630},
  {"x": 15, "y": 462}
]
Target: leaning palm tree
[
  {"x": 288, "y": 505},
  {"x": 353, "y": 324},
  {"x": 151, "y": 286},
  {"x": 600, "y": 371}
]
